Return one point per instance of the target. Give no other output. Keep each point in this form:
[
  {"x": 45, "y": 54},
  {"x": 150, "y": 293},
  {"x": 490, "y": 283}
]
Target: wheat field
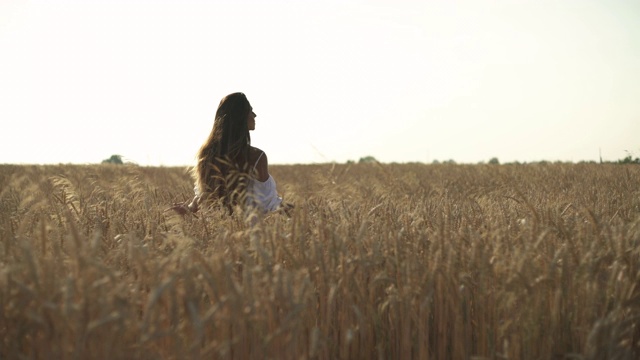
[{"x": 378, "y": 261}]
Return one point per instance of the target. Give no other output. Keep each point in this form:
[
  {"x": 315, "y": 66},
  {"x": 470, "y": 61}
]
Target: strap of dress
[{"x": 256, "y": 164}]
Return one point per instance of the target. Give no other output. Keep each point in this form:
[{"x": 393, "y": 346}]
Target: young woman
[{"x": 229, "y": 171}]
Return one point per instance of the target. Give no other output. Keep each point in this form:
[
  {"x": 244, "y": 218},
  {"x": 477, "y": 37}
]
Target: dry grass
[{"x": 378, "y": 261}]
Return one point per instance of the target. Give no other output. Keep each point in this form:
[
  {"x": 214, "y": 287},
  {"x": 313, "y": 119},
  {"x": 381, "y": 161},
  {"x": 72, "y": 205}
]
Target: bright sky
[{"x": 330, "y": 80}]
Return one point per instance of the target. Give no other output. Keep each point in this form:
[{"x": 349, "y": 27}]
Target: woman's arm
[
  {"x": 186, "y": 207},
  {"x": 262, "y": 166},
  {"x": 262, "y": 170}
]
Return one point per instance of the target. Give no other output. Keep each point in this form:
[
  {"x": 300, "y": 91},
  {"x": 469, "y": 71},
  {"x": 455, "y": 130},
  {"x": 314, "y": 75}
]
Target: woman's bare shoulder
[
  {"x": 255, "y": 154},
  {"x": 256, "y": 151}
]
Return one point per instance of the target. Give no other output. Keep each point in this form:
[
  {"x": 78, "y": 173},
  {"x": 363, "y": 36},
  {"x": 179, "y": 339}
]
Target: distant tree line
[{"x": 629, "y": 159}]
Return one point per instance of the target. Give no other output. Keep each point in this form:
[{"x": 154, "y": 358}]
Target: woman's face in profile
[{"x": 251, "y": 120}]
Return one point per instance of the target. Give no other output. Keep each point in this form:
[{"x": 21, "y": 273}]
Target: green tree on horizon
[{"x": 114, "y": 159}]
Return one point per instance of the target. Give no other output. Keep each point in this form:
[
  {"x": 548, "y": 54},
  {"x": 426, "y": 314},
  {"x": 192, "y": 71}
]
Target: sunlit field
[{"x": 378, "y": 261}]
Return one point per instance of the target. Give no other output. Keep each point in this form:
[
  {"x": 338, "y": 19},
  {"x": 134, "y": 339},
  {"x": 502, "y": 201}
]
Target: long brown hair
[{"x": 222, "y": 163}]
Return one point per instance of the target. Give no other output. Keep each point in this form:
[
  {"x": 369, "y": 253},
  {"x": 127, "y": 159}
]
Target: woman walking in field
[{"x": 229, "y": 171}]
